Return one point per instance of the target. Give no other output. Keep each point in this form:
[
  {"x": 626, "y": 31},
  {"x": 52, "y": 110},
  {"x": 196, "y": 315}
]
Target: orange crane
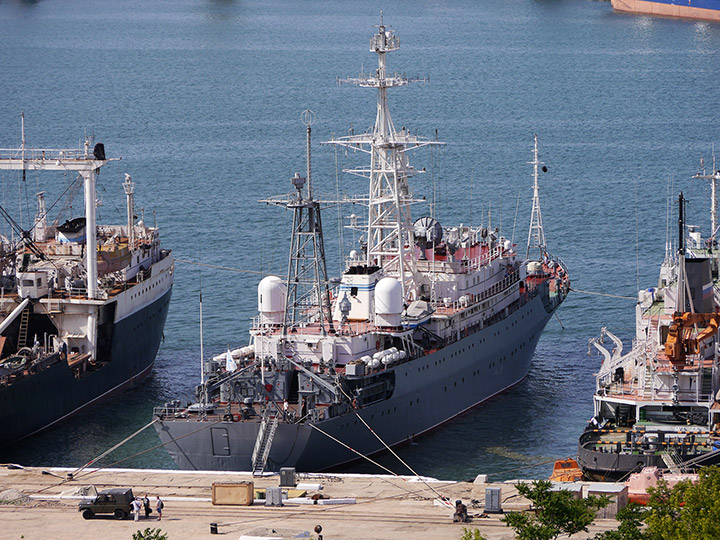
[{"x": 678, "y": 343}]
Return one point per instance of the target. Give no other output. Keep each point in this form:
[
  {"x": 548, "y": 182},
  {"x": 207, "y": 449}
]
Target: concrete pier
[{"x": 385, "y": 507}]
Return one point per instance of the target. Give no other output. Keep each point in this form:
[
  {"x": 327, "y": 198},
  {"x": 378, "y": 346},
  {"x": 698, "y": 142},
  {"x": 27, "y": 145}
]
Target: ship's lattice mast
[
  {"x": 307, "y": 297},
  {"x": 536, "y": 234},
  {"x": 389, "y": 226}
]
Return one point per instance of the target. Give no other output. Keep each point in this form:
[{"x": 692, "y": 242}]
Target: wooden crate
[{"x": 233, "y": 494}]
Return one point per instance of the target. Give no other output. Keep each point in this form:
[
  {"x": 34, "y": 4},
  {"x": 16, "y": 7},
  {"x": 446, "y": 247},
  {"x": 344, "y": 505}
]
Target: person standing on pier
[
  {"x": 136, "y": 505},
  {"x": 159, "y": 505}
]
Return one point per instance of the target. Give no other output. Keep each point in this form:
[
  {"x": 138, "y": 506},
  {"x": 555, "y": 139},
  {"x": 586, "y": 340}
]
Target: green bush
[
  {"x": 150, "y": 534},
  {"x": 686, "y": 512},
  {"x": 555, "y": 512},
  {"x": 471, "y": 534}
]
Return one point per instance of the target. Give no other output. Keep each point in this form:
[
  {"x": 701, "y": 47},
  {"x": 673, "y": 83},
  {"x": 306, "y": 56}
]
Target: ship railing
[
  {"x": 491, "y": 291},
  {"x": 261, "y": 438},
  {"x": 690, "y": 396},
  {"x": 350, "y": 328},
  {"x": 40, "y": 154},
  {"x": 558, "y": 260},
  {"x": 607, "y": 370},
  {"x": 464, "y": 265},
  {"x": 165, "y": 411},
  {"x": 605, "y": 386},
  {"x": 637, "y": 440},
  {"x": 75, "y": 292},
  {"x": 445, "y": 267}
]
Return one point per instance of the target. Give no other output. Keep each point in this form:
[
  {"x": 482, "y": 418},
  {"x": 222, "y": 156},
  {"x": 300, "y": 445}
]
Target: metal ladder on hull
[
  {"x": 24, "y": 323},
  {"x": 263, "y": 443}
]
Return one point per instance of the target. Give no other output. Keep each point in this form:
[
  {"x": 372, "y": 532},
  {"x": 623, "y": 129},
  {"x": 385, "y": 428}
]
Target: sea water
[{"x": 202, "y": 100}]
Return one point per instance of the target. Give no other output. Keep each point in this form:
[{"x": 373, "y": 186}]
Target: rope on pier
[
  {"x": 64, "y": 480},
  {"x": 440, "y": 497},
  {"x": 352, "y": 449},
  {"x": 172, "y": 440},
  {"x": 603, "y": 294}
]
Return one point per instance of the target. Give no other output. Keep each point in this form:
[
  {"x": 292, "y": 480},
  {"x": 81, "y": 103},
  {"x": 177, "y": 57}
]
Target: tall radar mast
[
  {"x": 536, "y": 234},
  {"x": 389, "y": 226}
]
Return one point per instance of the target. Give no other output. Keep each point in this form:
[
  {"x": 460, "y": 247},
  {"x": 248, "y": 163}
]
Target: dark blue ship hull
[{"x": 34, "y": 403}]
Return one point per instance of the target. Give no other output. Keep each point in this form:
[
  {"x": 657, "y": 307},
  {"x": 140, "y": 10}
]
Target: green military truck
[{"x": 116, "y": 501}]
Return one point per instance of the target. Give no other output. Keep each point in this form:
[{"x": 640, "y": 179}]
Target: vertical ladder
[
  {"x": 706, "y": 385},
  {"x": 263, "y": 443},
  {"x": 24, "y": 323},
  {"x": 648, "y": 382}
]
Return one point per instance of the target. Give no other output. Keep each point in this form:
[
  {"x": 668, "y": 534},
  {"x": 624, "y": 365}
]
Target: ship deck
[
  {"x": 12, "y": 298},
  {"x": 232, "y": 412},
  {"x": 650, "y": 438},
  {"x": 441, "y": 309}
]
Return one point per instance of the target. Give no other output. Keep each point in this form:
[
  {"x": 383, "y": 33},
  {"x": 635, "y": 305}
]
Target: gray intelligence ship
[{"x": 426, "y": 322}]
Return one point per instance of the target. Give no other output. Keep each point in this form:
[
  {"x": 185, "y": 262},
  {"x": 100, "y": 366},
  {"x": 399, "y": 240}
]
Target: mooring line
[
  {"x": 65, "y": 480},
  {"x": 224, "y": 267},
  {"x": 603, "y": 294},
  {"x": 118, "y": 445},
  {"x": 440, "y": 497},
  {"x": 353, "y": 450}
]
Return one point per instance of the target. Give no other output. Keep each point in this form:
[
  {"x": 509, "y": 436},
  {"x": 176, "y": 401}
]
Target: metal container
[
  {"x": 492, "y": 500},
  {"x": 287, "y": 477},
  {"x": 235, "y": 494},
  {"x": 273, "y": 496}
]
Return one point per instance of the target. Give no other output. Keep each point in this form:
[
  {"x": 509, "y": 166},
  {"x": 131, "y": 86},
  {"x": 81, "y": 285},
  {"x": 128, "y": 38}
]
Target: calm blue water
[{"x": 203, "y": 99}]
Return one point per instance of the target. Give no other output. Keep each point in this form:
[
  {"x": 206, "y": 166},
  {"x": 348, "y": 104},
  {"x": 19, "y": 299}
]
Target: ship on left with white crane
[{"x": 83, "y": 305}]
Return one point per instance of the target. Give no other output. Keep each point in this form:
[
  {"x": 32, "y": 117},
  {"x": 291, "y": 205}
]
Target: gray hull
[{"x": 428, "y": 392}]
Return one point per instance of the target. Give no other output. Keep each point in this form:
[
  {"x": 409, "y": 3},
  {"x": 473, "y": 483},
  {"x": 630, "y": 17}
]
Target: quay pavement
[{"x": 385, "y": 507}]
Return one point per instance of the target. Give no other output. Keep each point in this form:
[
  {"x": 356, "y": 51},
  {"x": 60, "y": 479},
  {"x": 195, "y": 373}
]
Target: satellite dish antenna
[{"x": 427, "y": 232}]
